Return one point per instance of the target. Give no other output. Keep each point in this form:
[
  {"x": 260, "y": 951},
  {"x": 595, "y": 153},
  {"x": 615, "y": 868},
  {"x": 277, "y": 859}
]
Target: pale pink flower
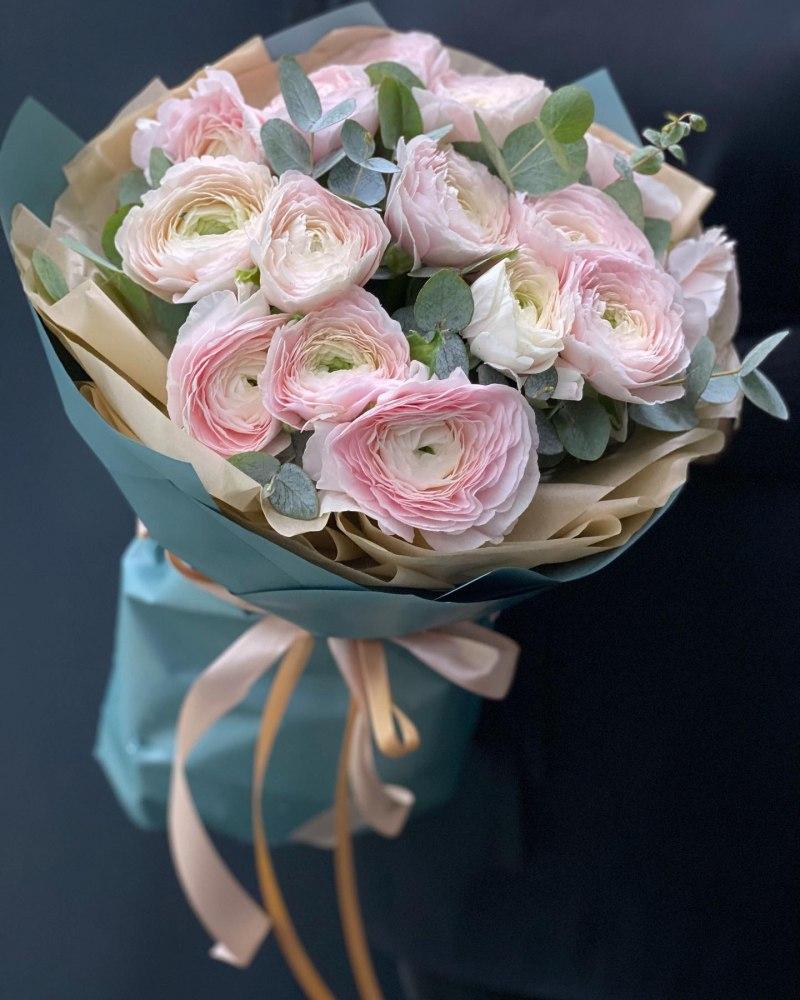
[
  {"x": 703, "y": 266},
  {"x": 452, "y": 460},
  {"x": 504, "y": 102},
  {"x": 214, "y": 121},
  {"x": 658, "y": 200},
  {"x": 213, "y": 374},
  {"x": 423, "y": 54},
  {"x": 332, "y": 363},
  {"x": 628, "y": 335},
  {"x": 315, "y": 246},
  {"x": 335, "y": 84},
  {"x": 193, "y": 233},
  {"x": 444, "y": 209}
]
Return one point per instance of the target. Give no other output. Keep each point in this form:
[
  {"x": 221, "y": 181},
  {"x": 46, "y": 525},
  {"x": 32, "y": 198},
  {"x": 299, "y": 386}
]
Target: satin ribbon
[{"x": 465, "y": 653}]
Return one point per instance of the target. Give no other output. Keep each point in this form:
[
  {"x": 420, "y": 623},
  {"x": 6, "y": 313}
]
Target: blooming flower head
[
  {"x": 452, "y": 460},
  {"x": 191, "y": 234},
  {"x": 524, "y": 307},
  {"x": 584, "y": 216},
  {"x": 213, "y": 374},
  {"x": 335, "y": 84},
  {"x": 702, "y": 266},
  {"x": 444, "y": 209},
  {"x": 214, "y": 120},
  {"x": 315, "y": 246},
  {"x": 332, "y": 363},
  {"x": 628, "y": 337},
  {"x": 504, "y": 102},
  {"x": 423, "y": 54}
]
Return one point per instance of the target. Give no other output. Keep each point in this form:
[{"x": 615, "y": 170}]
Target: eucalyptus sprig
[
  {"x": 443, "y": 308},
  {"x": 289, "y": 489}
]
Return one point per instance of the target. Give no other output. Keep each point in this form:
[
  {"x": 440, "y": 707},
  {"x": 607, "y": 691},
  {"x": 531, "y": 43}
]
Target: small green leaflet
[
  {"x": 299, "y": 94},
  {"x": 672, "y": 417},
  {"x": 334, "y": 115},
  {"x": 107, "y": 239},
  {"x": 542, "y": 385},
  {"x": 292, "y": 493},
  {"x": 549, "y": 441},
  {"x": 452, "y": 354},
  {"x": 49, "y": 276},
  {"x": 538, "y": 164},
  {"x": 487, "y": 375},
  {"x": 257, "y": 465},
  {"x": 763, "y": 394},
  {"x": 626, "y": 194},
  {"x": 131, "y": 188},
  {"x": 327, "y": 162},
  {"x": 159, "y": 164},
  {"x": 659, "y": 233},
  {"x": 583, "y": 428},
  {"x": 398, "y": 112},
  {"x": 356, "y": 183},
  {"x": 378, "y": 71},
  {"x": 567, "y": 113},
  {"x": 721, "y": 389},
  {"x": 699, "y": 371},
  {"x": 285, "y": 148},
  {"x": 444, "y": 303},
  {"x": 493, "y": 153},
  {"x": 761, "y": 351}
]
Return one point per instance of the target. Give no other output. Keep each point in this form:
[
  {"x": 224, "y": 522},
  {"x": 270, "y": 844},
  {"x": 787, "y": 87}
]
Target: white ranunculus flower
[
  {"x": 523, "y": 309},
  {"x": 194, "y": 231}
]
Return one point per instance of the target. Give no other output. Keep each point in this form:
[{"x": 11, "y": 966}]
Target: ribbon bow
[{"x": 465, "y": 653}]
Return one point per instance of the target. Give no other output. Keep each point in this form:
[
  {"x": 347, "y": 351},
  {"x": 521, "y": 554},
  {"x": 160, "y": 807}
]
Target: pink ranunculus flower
[
  {"x": 446, "y": 210},
  {"x": 584, "y": 216},
  {"x": 423, "y": 54},
  {"x": 504, "y": 102},
  {"x": 315, "y": 246},
  {"x": 628, "y": 337},
  {"x": 703, "y": 266},
  {"x": 213, "y": 374},
  {"x": 192, "y": 234},
  {"x": 335, "y": 84},
  {"x": 214, "y": 121},
  {"x": 658, "y": 201},
  {"x": 331, "y": 364},
  {"x": 452, "y": 460}
]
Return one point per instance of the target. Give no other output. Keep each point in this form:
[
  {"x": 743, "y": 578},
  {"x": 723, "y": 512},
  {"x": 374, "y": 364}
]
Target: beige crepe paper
[{"x": 584, "y": 508}]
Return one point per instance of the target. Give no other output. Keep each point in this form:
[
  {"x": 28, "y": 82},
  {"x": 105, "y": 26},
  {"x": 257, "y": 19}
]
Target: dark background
[{"x": 631, "y": 832}]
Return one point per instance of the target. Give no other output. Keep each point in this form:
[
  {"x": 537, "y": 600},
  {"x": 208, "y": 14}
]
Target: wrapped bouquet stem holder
[{"x": 467, "y": 654}]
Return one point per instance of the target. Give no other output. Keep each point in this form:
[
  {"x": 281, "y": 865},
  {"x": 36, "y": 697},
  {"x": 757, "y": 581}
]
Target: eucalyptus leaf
[
  {"x": 646, "y": 160},
  {"x": 292, "y": 493},
  {"x": 629, "y": 198},
  {"x": 257, "y": 465},
  {"x": 356, "y": 183},
  {"x": 107, "y": 238},
  {"x": 658, "y": 233},
  {"x": 159, "y": 164},
  {"x": 89, "y": 254},
  {"x": 378, "y": 71},
  {"x": 567, "y": 113},
  {"x": 327, "y": 162},
  {"x": 699, "y": 371},
  {"x": 405, "y": 317},
  {"x": 357, "y": 142},
  {"x": 622, "y": 166},
  {"x": 542, "y": 385},
  {"x": 382, "y": 165},
  {"x": 444, "y": 302},
  {"x": 538, "y": 164},
  {"x": 49, "y": 276},
  {"x": 549, "y": 441},
  {"x": 764, "y": 394},
  {"x": 398, "y": 112},
  {"x": 285, "y": 148},
  {"x": 583, "y": 428},
  {"x": 334, "y": 115},
  {"x": 452, "y": 354},
  {"x": 493, "y": 152},
  {"x": 439, "y": 133},
  {"x": 132, "y": 186},
  {"x": 721, "y": 389},
  {"x": 487, "y": 375},
  {"x": 299, "y": 94},
  {"x": 671, "y": 417},
  {"x": 475, "y": 151},
  {"x": 761, "y": 351}
]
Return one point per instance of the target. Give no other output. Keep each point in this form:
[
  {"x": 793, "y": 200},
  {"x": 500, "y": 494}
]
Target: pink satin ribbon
[{"x": 473, "y": 657}]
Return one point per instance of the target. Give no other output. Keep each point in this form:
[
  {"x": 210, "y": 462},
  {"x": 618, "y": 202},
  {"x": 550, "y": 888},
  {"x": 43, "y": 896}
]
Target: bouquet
[{"x": 377, "y": 340}]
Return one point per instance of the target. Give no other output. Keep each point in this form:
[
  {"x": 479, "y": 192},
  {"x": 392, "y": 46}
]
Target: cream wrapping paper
[{"x": 582, "y": 510}]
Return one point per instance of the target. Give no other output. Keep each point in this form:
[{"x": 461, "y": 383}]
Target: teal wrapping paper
[{"x": 169, "y": 630}]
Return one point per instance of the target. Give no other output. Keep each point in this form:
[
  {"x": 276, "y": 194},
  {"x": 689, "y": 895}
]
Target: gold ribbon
[{"x": 465, "y": 653}]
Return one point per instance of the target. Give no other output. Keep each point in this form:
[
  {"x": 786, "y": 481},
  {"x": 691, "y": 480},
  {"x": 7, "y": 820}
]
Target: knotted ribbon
[{"x": 467, "y": 654}]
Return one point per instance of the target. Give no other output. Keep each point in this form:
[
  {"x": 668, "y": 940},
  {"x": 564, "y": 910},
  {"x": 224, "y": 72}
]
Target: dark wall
[{"x": 627, "y": 829}]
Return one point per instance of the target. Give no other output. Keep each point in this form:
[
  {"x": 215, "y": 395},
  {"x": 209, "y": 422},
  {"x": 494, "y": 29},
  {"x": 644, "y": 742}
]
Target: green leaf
[
  {"x": 697, "y": 123},
  {"x": 357, "y": 142},
  {"x": 257, "y": 465},
  {"x": 382, "y": 165},
  {"x": 764, "y": 394},
  {"x": 452, "y": 354},
  {"x": 292, "y": 493},
  {"x": 699, "y": 371},
  {"x": 397, "y": 260},
  {"x": 761, "y": 351},
  {"x": 398, "y": 112},
  {"x": 659, "y": 233},
  {"x": 327, "y": 162},
  {"x": 89, "y": 254},
  {"x": 286, "y": 149},
  {"x": 444, "y": 302},
  {"x": 487, "y": 375},
  {"x": 493, "y": 152},
  {"x": 678, "y": 153},
  {"x": 475, "y": 151},
  {"x": 113, "y": 223},
  {"x": 542, "y": 385},
  {"x": 424, "y": 347},
  {"x": 538, "y": 164},
  {"x": 159, "y": 164},
  {"x": 299, "y": 94},
  {"x": 622, "y": 166},
  {"x": 646, "y": 160},
  {"x": 378, "y": 71},
  {"x": 405, "y": 317},
  {"x": 439, "y": 133},
  {"x": 168, "y": 317},
  {"x": 721, "y": 389},
  {"x": 132, "y": 186},
  {"x": 627, "y": 195},
  {"x": 356, "y": 183},
  {"x": 583, "y": 428},
  {"x": 652, "y": 136},
  {"x": 549, "y": 441},
  {"x": 49, "y": 276},
  {"x": 671, "y": 417},
  {"x": 334, "y": 115},
  {"x": 567, "y": 113}
]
